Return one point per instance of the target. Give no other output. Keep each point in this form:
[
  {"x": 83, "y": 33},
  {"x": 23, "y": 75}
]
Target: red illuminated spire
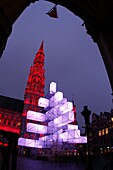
[
  {"x": 35, "y": 85},
  {"x": 36, "y": 81},
  {"x": 41, "y": 47}
]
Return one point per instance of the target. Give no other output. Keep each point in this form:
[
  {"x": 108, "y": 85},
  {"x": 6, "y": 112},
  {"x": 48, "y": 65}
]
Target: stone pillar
[{"x": 105, "y": 44}]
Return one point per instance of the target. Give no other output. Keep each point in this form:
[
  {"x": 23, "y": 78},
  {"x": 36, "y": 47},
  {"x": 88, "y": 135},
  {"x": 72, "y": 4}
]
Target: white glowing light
[
  {"x": 53, "y": 112},
  {"x": 21, "y": 141},
  {"x": 72, "y": 127},
  {"x": 52, "y": 87},
  {"x": 35, "y": 128},
  {"x": 62, "y": 120},
  {"x": 44, "y": 138},
  {"x": 81, "y": 139},
  {"x": 66, "y": 107},
  {"x": 73, "y": 134},
  {"x": 39, "y": 144},
  {"x": 51, "y": 129},
  {"x": 54, "y": 100},
  {"x": 43, "y": 102},
  {"x": 30, "y": 143},
  {"x": 58, "y": 96},
  {"x": 36, "y": 116}
]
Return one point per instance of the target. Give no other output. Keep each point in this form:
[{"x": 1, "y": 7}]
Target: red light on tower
[
  {"x": 35, "y": 86},
  {"x": 74, "y": 110}
]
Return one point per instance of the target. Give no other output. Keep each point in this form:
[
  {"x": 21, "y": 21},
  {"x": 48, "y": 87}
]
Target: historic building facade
[
  {"x": 10, "y": 123},
  {"x": 10, "y": 114},
  {"x": 102, "y": 133},
  {"x": 13, "y": 111}
]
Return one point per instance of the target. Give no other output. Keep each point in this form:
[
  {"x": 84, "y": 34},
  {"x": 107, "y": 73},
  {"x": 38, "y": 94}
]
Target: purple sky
[{"x": 72, "y": 59}]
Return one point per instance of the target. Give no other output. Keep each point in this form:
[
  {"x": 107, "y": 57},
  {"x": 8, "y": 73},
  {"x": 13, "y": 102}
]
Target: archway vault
[{"x": 97, "y": 16}]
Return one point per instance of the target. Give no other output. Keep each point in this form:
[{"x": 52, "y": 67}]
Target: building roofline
[{"x": 11, "y": 103}]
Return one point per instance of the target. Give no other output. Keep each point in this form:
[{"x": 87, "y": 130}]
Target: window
[
  {"x": 36, "y": 102},
  {"x": 18, "y": 124},
  {"x": 14, "y": 123},
  {"x": 9, "y": 123},
  {"x": 106, "y": 130},
  {"x": 99, "y": 132},
  {"x": 102, "y": 131}
]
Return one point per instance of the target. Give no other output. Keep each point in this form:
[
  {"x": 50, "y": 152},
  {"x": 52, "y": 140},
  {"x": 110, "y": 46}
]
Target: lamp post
[{"x": 86, "y": 114}]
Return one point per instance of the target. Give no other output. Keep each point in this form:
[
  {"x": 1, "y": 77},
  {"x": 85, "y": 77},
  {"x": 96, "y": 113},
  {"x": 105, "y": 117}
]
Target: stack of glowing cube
[{"x": 58, "y": 115}]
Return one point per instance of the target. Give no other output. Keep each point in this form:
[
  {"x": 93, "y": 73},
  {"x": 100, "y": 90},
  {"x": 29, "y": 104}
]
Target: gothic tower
[{"x": 34, "y": 88}]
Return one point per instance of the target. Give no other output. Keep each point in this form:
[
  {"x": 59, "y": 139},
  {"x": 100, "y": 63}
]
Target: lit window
[
  {"x": 14, "y": 124},
  {"x": 106, "y": 130},
  {"x": 19, "y": 124},
  {"x": 101, "y": 150},
  {"x": 112, "y": 119},
  {"x": 102, "y": 131},
  {"x": 99, "y": 132},
  {"x": 9, "y": 123}
]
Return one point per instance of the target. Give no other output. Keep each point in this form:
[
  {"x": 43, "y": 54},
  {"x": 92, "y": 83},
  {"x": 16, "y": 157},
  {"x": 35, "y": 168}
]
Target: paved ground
[
  {"x": 30, "y": 164},
  {"x": 24, "y": 163}
]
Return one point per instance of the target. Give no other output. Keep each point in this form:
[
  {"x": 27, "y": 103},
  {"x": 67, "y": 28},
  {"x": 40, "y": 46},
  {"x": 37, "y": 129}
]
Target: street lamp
[{"x": 86, "y": 114}]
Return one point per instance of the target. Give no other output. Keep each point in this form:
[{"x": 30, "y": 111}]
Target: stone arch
[{"x": 92, "y": 12}]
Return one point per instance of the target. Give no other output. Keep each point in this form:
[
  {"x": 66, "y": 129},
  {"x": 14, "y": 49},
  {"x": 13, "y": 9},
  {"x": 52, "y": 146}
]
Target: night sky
[{"x": 72, "y": 59}]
